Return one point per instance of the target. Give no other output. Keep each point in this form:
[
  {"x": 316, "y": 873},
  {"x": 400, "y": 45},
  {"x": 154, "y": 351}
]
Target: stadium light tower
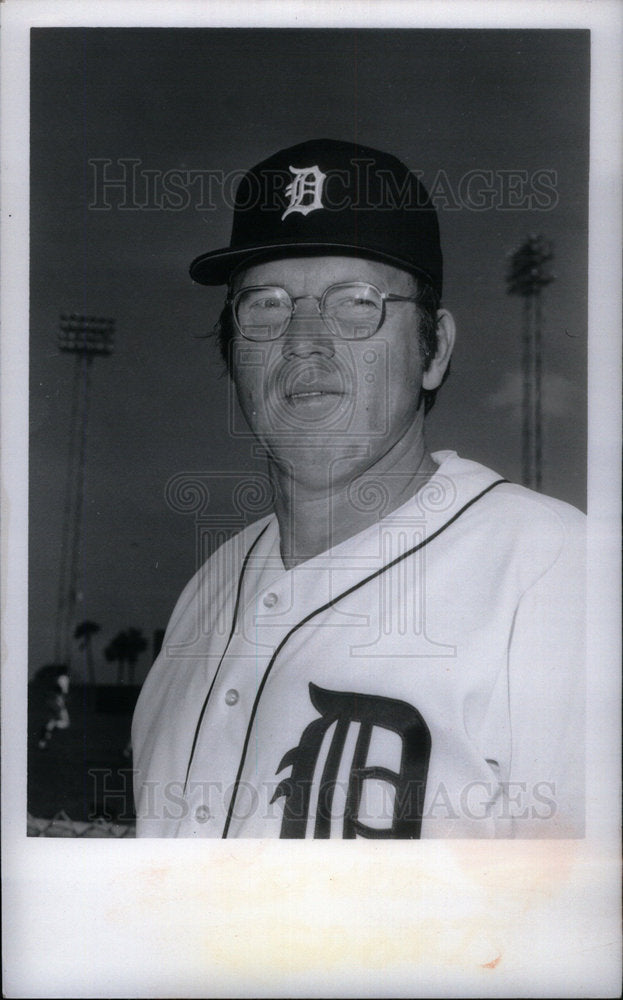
[
  {"x": 86, "y": 337},
  {"x": 528, "y": 274}
]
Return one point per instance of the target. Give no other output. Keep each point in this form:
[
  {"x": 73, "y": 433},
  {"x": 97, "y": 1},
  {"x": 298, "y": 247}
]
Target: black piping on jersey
[
  {"x": 317, "y": 611},
  {"x": 216, "y": 673}
]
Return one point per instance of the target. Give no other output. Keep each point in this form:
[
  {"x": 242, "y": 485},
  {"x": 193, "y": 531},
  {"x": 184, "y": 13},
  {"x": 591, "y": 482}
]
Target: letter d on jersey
[
  {"x": 305, "y": 190},
  {"x": 317, "y": 762}
]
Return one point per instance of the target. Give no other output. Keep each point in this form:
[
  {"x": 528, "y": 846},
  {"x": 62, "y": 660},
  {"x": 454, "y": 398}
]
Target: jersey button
[
  {"x": 202, "y": 814},
  {"x": 231, "y": 696},
  {"x": 270, "y": 600}
]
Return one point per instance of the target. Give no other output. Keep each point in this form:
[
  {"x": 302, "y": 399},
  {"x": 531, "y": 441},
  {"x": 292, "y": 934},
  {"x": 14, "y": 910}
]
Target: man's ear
[{"x": 446, "y": 333}]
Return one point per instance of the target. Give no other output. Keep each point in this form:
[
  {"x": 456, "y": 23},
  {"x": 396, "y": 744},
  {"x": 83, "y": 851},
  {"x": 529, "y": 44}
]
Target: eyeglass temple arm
[{"x": 388, "y": 297}]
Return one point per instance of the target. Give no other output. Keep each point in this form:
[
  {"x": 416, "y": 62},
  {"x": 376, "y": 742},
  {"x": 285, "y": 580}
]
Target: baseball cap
[{"x": 326, "y": 196}]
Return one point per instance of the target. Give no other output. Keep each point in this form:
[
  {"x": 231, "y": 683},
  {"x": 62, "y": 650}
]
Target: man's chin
[
  {"x": 316, "y": 460},
  {"x": 313, "y": 412}
]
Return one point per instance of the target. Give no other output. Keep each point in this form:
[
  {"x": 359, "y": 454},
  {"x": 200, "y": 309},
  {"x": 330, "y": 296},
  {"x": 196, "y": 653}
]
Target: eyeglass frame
[{"x": 384, "y": 296}]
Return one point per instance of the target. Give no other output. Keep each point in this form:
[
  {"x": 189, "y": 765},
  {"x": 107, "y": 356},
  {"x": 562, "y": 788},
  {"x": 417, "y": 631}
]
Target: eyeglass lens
[{"x": 351, "y": 311}]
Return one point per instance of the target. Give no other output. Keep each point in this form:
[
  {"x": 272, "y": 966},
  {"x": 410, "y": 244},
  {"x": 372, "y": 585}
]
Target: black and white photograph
[
  {"x": 300, "y": 491},
  {"x": 383, "y": 632}
]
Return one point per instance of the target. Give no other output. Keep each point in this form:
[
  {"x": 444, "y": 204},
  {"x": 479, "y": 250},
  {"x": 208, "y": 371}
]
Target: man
[
  {"x": 56, "y": 703},
  {"x": 396, "y": 652}
]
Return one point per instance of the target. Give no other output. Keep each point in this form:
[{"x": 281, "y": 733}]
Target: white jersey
[{"x": 424, "y": 678}]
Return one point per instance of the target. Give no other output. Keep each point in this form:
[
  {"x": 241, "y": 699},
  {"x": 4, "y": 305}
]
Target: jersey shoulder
[
  {"x": 519, "y": 527},
  {"x": 520, "y": 508},
  {"x": 533, "y": 507},
  {"x": 538, "y": 533}
]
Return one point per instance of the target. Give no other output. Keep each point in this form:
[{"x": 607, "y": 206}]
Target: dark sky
[{"x": 448, "y": 103}]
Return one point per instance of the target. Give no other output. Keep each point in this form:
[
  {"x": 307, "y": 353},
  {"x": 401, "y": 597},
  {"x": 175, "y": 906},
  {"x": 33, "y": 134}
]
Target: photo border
[{"x": 172, "y": 918}]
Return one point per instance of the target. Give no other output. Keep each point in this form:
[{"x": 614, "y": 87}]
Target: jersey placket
[{"x": 224, "y": 721}]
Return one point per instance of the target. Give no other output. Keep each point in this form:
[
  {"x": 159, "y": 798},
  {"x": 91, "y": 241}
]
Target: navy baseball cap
[{"x": 329, "y": 197}]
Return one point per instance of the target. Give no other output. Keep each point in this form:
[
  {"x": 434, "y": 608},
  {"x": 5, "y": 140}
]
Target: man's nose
[{"x": 307, "y": 333}]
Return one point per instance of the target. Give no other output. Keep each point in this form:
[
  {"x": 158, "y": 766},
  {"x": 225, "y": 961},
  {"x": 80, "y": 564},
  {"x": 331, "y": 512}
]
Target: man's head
[
  {"x": 327, "y": 360},
  {"x": 423, "y": 320},
  {"x": 330, "y": 197},
  {"x": 309, "y": 221}
]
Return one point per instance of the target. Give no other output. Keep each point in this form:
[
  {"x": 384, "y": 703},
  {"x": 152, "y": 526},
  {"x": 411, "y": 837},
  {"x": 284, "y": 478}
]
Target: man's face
[{"x": 323, "y": 406}]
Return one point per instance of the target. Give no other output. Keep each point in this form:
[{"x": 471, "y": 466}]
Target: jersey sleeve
[{"x": 546, "y": 692}]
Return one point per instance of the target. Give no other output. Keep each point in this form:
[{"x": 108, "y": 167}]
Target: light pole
[
  {"x": 86, "y": 337},
  {"x": 527, "y": 275}
]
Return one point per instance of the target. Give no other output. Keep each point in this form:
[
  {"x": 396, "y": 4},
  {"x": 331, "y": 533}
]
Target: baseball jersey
[{"x": 423, "y": 678}]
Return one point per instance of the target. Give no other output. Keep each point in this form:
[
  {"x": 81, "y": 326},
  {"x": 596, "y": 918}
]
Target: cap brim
[{"x": 216, "y": 267}]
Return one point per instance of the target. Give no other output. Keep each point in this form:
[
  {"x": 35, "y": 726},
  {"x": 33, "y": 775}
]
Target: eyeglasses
[{"x": 352, "y": 311}]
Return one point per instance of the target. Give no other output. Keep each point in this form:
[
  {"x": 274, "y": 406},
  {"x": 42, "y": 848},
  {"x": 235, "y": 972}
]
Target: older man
[{"x": 396, "y": 652}]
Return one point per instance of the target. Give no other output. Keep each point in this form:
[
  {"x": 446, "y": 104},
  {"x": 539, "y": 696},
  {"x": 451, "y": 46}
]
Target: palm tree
[
  {"x": 126, "y": 648},
  {"x": 84, "y": 632},
  {"x": 136, "y": 643},
  {"x": 116, "y": 652}
]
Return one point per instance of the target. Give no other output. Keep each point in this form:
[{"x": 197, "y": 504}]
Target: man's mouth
[
  {"x": 310, "y": 394},
  {"x": 304, "y": 384}
]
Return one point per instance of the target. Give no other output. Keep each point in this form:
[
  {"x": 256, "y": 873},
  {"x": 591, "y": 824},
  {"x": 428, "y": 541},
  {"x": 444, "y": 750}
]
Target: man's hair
[{"x": 427, "y": 303}]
